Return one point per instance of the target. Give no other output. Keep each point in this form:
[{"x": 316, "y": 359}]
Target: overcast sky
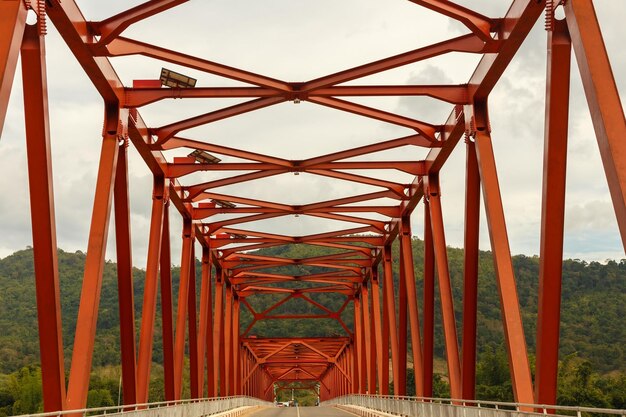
[{"x": 296, "y": 40}]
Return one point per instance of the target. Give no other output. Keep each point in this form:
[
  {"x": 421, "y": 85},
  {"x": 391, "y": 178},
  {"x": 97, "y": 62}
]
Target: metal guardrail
[
  {"x": 445, "y": 407},
  {"x": 182, "y": 408}
]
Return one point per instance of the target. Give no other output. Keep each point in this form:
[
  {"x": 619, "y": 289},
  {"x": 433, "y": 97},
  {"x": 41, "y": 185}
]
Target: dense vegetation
[{"x": 593, "y": 335}]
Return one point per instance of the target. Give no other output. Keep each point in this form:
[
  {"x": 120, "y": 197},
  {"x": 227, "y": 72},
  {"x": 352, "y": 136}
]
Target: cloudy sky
[{"x": 297, "y": 40}]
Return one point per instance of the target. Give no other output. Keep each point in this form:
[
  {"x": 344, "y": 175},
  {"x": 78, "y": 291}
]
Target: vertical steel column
[
  {"x": 553, "y": 212},
  {"x": 411, "y": 290},
  {"x": 167, "y": 329},
  {"x": 236, "y": 366},
  {"x": 192, "y": 323},
  {"x": 12, "y": 24},
  {"x": 204, "y": 327},
  {"x": 210, "y": 366},
  {"x": 370, "y": 372},
  {"x": 378, "y": 332},
  {"x": 181, "y": 313},
  {"x": 218, "y": 344},
  {"x": 400, "y": 385},
  {"x": 511, "y": 315},
  {"x": 144, "y": 359},
  {"x": 603, "y": 99},
  {"x": 354, "y": 368},
  {"x": 429, "y": 302},
  {"x": 126, "y": 299},
  {"x": 385, "y": 345},
  {"x": 228, "y": 337},
  {"x": 445, "y": 288},
  {"x": 82, "y": 353},
  {"x": 470, "y": 272},
  {"x": 41, "y": 196},
  {"x": 358, "y": 345},
  {"x": 388, "y": 293}
]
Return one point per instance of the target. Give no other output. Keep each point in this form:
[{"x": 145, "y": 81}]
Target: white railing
[
  {"x": 182, "y": 408},
  {"x": 445, "y": 407}
]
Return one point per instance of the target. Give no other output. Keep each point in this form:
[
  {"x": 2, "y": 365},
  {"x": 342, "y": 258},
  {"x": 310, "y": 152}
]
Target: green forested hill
[{"x": 593, "y": 310}]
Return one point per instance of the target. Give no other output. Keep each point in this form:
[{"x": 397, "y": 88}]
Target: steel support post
[
  {"x": 363, "y": 348},
  {"x": 603, "y": 99},
  {"x": 445, "y": 287},
  {"x": 235, "y": 360},
  {"x": 411, "y": 290},
  {"x": 167, "y": 324},
  {"x": 400, "y": 386},
  {"x": 218, "y": 346},
  {"x": 358, "y": 344},
  {"x": 82, "y": 353},
  {"x": 378, "y": 332},
  {"x": 429, "y": 303},
  {"x": 41, "y": 204},
  {"x": 205, "y": 327},
  {"x": 228, "y": 338},
  {"x": 192, "y": 324},
  {"x": 511, "y": 315},
  {"x": 370, "y": 372},
  {"x": 553, "y": 212},
  {"x": 12, "y": 24},
  {"x": 354, "y": 366},
  {"x": 182, "y": 305},
  {"x": 388, "y": 293},
  {"x": 470, "y": 272},
  {"x": 385, "y": 344},
  {"x": 210, "y": 365},
  {"x": 148, "y": 310},
  {"x": 126, "y": 298}
]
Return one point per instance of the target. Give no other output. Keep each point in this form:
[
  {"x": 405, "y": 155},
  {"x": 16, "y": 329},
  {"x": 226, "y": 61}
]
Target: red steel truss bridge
[{"x": 227, "y": 359}]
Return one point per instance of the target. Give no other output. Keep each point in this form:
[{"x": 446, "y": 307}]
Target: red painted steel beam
[
  {"x": 445, "y": 288},
  {"x": 177, "y": 169},
  {"x": 204, "y": 327},
  {"x": 12, "y": 24},
  {"x": 126, "y": 299},
  {"x": 429, "y": 303},
  {"x": 454, "y": 94},
  {"x": 123, "y": 46},
  {"x": 511, "y": 315},
  {"x": 426, "y": 130},
  {"x": 553, "y": 212},
  {"x": 82, "y": 352},
  {"x": 41, "y": 193},
  {"x": 112, "y": 27},
  {"x": 192, "y": 324},
  {"x": 607, "y": 113},
  {"x": 75, "y": 30},
  {"x": 181, "y": 314},
  {"x": 165, "y": 133},
  {"x": 411, "y": 290},
  {"x": 196, "y": 191},
  {"x": 138, "y": 97},
  {"x": 167, "y": 325},
  {"x": 466, "y": 43},
  {"x": 480, "y": 25},
  {"x": 513, "y": 29},
  {"x": 148, "y": 310},
  {"x": 178, "y": 142},
  {"x": 470, "y": 272}
]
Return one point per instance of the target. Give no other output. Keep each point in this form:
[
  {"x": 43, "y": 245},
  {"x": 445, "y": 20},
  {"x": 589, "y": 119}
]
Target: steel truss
[{"x": 359, "y": 267}]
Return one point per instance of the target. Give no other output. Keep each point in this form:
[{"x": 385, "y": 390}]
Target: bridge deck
[{"x": 300, "y": 412}]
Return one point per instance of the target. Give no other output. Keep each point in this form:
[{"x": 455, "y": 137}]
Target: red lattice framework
[{"x": 384, "y": 317}]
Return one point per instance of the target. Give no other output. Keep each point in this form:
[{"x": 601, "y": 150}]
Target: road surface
[{"x": 300, "y": 412}]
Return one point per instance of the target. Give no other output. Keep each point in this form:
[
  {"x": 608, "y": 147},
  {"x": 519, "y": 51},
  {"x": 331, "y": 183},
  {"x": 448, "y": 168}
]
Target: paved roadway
[{"x": 299, "y": 412}]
